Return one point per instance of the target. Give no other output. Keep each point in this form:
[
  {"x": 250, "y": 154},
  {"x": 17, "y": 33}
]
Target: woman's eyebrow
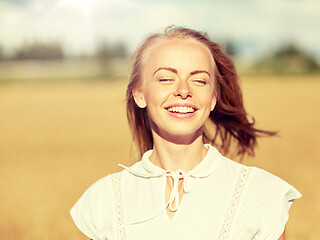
[
  {"x": 199, "y": 71},
  {"x": 175, "y": 71},
  {"x": 166, "y": 68}
]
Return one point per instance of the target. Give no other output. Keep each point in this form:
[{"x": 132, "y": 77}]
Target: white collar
[
  {"x": 206, "y": 167},
  {"x": 148, "y": 170}
]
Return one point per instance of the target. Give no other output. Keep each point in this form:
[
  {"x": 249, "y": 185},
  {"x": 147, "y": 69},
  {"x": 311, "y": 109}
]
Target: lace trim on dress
[
  {"x": 121, "y": 233},
  {"x": 225, "y": 229}
]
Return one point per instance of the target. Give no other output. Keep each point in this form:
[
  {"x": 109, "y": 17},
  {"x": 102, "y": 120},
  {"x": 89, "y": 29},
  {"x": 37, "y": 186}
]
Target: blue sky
[{"x": 256, "y": 26}]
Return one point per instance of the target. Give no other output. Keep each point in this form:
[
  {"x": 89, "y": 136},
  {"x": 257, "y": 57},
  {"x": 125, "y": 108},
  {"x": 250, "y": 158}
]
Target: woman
[{"x": 183, "y": 98}]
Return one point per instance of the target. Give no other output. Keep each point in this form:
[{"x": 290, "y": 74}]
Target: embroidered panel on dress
[
  {"x": 225, "y": 229},
  {"x": 121, "y": 233}
]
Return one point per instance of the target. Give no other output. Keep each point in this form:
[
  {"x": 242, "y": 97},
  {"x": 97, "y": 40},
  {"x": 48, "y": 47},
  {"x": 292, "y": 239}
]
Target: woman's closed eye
[
  {"x": 166, "y": 80},
  {"x": 200, "y": 81}
]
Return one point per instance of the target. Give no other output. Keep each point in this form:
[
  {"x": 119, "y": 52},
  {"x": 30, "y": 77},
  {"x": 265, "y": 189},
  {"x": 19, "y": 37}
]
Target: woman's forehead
[
  {"x": 177, "y": 51},
  {"x": 158, "y": 44}
]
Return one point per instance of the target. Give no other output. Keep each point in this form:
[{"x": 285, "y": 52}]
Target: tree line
[
  {"x": 287, "y": 58},
  {"x": 38, "y": 50}
]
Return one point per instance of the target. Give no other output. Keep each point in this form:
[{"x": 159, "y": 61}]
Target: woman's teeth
[{"x": 181, "y": 109}]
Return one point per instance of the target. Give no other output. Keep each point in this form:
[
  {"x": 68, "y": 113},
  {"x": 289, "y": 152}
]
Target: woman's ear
[
  {"x": 213, "y": 101},
  {"x": 139, "y": 98}
]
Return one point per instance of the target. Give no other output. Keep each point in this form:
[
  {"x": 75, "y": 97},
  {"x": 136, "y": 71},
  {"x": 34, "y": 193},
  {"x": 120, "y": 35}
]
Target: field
[{"x": 57, "y": 138}]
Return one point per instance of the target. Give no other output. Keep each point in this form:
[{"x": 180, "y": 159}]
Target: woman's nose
[{"x": 183, "y": 90}]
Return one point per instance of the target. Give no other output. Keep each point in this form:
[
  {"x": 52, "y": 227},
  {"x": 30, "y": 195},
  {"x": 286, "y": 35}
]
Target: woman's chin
[{"x": 180, "y": 135}]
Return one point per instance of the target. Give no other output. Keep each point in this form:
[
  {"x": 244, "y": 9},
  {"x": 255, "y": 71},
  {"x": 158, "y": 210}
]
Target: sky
[{"x": 257, "y": 27}]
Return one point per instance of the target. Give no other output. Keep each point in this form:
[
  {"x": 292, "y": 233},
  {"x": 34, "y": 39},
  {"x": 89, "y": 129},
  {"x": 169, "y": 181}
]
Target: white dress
[{"x": 223, "y": 200}]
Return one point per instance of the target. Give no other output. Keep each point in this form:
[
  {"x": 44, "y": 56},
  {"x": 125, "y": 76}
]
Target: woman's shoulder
[
  {"x": 229, "y": 167},
  {"x": 263, "y": 181},
  {"x": 94, "y": 212},
  {"x": 104, "y": 184},
  {"x": 260, "y": 186},
  {"x": 103, "y": 187},
  {"x": 260, "y": 182},
  {"x": 258, "y": 179},
  {"x": 265, "y": 204}
]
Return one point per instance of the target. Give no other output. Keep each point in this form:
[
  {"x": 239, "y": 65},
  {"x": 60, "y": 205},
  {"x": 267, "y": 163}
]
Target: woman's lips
[{"x": 181, "y": 111}]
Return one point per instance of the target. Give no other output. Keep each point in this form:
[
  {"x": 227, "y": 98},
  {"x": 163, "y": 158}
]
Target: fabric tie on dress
[
  {"x": 173, "y": 202},
  {"x": 148, "y": 170}
]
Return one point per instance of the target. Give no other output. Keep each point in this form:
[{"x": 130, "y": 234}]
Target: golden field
[{"x": 56, "y": 139}]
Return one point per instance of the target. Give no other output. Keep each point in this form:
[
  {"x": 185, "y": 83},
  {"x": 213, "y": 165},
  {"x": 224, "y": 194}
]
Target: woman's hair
[{"x": 227, "y": 123}]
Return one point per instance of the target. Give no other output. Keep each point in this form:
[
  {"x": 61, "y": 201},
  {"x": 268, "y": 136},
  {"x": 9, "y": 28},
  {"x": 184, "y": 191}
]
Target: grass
[{"x": 57, "y": 138}]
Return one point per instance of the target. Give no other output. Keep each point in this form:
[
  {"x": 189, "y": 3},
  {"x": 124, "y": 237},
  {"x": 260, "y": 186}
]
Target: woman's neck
[{"x": 173, "y": 156}]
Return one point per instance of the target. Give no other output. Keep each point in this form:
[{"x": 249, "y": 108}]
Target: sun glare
[{"x": 84, "y": 5}]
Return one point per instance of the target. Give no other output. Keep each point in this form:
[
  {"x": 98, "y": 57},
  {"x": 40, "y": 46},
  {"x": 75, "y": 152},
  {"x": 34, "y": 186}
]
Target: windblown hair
[{"x": 227, "y": 123}]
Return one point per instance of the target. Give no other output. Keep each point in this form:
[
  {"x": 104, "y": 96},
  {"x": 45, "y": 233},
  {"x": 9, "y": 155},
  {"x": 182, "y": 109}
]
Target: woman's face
[{"x": 177, "y": 86}]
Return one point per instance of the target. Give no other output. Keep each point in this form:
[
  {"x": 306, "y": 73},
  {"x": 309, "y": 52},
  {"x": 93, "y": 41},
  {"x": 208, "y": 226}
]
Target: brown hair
[{"x": 229, "y": 117}]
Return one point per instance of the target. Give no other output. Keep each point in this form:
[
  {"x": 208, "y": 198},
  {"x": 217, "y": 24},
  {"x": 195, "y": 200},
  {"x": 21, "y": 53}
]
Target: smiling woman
[
  {"x": 186, "y": 74},
  {"x": 183, "y": 188}
]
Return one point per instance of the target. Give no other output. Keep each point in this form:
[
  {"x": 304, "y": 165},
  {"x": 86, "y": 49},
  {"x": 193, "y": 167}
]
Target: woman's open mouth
[{"x": 179, "y": 111}]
